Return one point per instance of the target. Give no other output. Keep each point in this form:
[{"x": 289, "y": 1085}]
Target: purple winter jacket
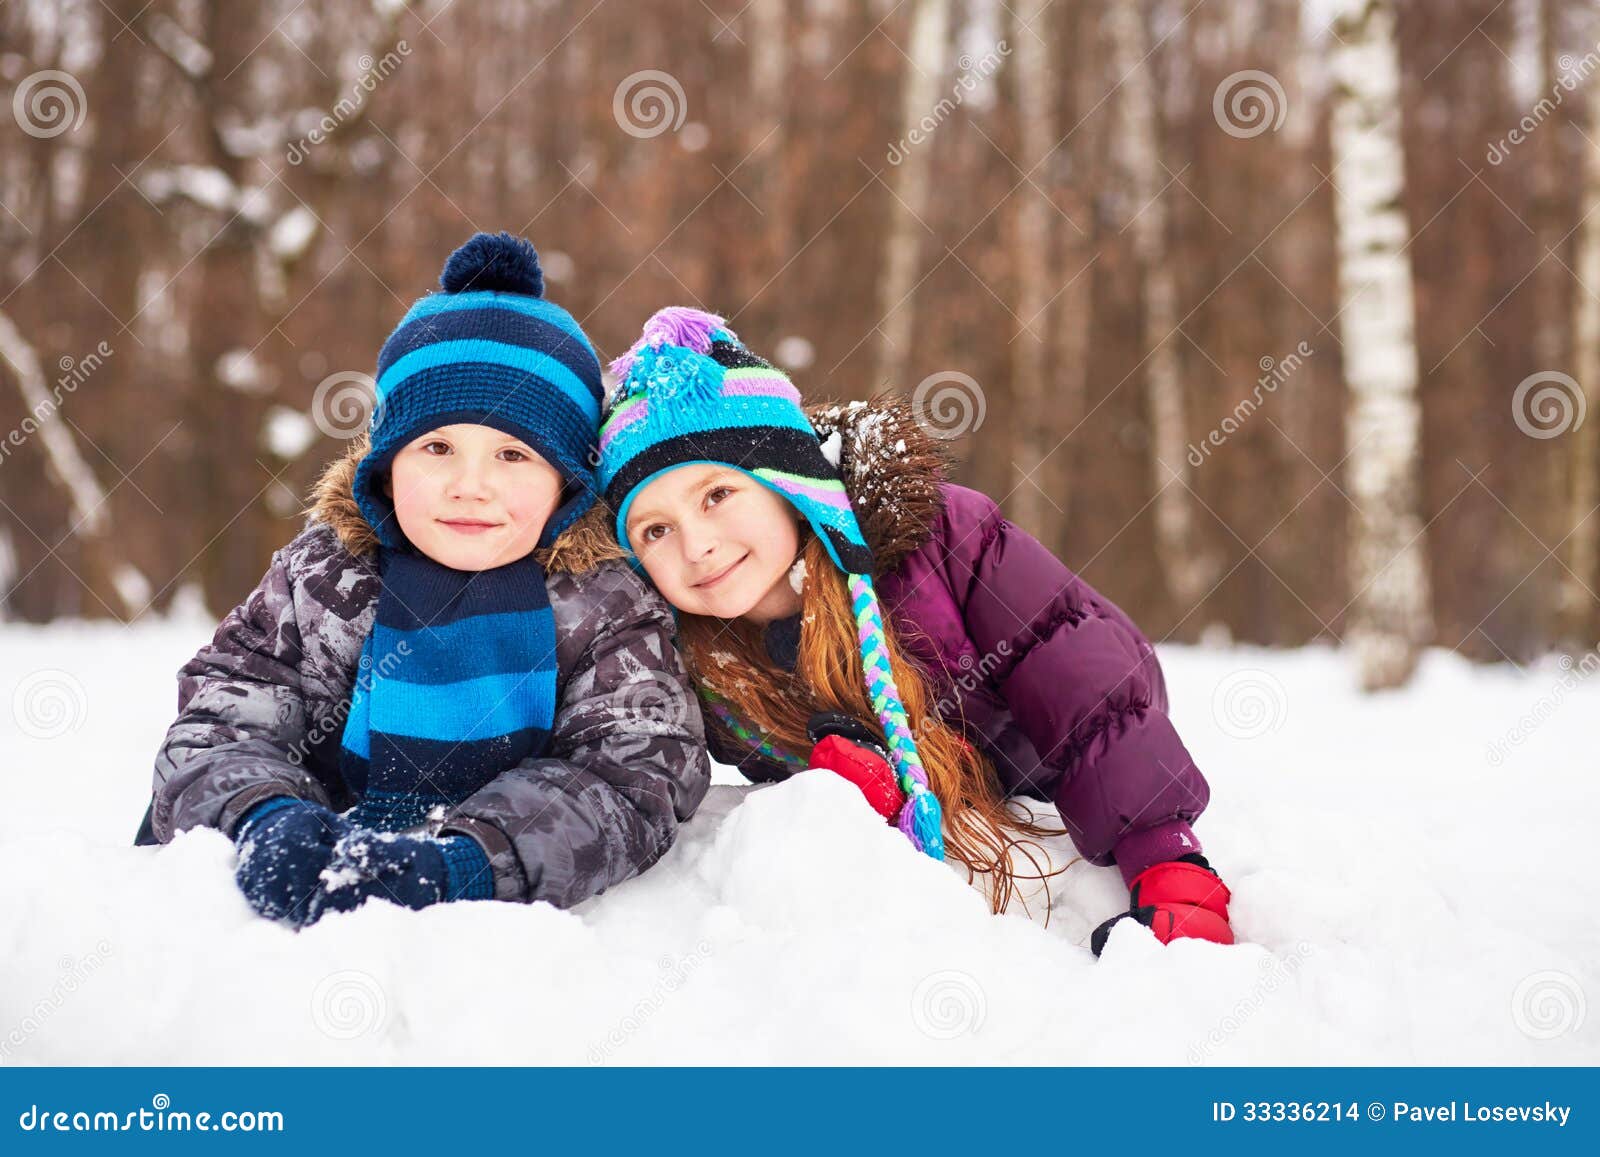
[{"x": 1047, "y": 676}]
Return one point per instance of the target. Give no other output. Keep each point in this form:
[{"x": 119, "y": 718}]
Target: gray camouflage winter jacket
[{"x": 261, "y": 711}]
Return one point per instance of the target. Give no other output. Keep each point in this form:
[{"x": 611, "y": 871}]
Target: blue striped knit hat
[
  {"x": 691, "y": 392},
  {"x": 488, "y": 350}
]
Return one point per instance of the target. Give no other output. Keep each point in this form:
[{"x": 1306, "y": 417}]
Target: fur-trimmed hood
[
  {"x": 892, "y": 467},
  {"x": 583, "y": 546}
]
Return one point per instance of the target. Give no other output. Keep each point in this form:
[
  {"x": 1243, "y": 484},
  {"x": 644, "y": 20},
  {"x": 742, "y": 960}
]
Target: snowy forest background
[{"x": 1278, "y": 320}]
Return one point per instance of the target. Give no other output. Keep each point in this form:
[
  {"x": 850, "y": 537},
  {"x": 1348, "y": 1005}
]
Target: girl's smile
[
  {"x": 716, "y": 542},
  {"x": 719, "y": 576}
]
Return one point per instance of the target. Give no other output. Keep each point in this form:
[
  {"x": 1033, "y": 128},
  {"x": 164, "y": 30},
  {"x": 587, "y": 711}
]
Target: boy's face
[
  {"x": 716, "y": 542},
  {"x": 472, "y": 497}
]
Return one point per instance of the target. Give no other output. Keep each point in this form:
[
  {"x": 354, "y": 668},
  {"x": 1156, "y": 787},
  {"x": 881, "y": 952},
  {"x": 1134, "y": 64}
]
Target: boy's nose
[{"x": 467, "y": 481}]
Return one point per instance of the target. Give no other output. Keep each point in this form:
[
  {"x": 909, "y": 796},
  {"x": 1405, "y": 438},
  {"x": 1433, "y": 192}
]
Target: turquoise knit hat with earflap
[{"x": 691, "y": 391}]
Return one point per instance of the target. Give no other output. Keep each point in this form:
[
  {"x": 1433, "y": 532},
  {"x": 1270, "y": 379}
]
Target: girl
[{"x": 825, "y": 573}]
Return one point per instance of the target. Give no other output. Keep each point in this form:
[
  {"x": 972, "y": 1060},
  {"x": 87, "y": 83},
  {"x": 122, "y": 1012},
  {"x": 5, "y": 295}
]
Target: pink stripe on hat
[{"x": 764, "y": 386}]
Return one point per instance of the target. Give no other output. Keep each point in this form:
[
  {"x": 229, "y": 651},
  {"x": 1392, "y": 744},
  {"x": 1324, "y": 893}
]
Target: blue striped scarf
[{"x": 457, "y": 683}]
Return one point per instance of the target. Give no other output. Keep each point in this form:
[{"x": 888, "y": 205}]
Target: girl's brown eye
[
  {"x": 431, "y": 446},
  {"x": 650, "y": 534},
  {"x": 517, "y": 455},
  {"x": 718, "y": 494}
]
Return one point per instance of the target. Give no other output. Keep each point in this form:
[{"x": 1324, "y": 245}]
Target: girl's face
[
  {"x": 472, "y": 497},
  {"x": 716, "y": 542}
]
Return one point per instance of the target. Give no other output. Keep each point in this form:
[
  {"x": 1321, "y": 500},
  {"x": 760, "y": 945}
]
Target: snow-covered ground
[{"x": 1413, "y": 875}]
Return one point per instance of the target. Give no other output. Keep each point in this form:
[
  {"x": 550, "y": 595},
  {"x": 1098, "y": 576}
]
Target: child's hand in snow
[
  {"x": 863, "y": 767},
  {"x": 1180, "y": 898},
  {"x": 412, "y": 871},
  {"x": 284, "y": 844}
]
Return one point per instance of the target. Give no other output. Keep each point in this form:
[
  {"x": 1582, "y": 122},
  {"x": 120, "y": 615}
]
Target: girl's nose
[{"x": 698, "y": 542}]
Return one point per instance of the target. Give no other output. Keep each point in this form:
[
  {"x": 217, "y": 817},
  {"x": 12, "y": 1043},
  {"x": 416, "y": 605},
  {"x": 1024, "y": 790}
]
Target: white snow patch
[
  {"x": 1392, "y": 891},
  {"x": 832, "y": 447}
]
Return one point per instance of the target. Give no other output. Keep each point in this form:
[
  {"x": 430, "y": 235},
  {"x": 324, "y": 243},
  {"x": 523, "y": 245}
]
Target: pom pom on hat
[
  {"x": 678, "y": 325},
  {"x": 497, "y": 261}
]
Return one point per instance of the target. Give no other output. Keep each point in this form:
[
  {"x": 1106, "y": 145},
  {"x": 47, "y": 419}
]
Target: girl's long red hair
[{"x": 728, "y": 659}]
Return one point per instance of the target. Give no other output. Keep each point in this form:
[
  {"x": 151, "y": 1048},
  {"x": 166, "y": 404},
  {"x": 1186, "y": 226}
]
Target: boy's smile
[{"x": 472, "y": 497}]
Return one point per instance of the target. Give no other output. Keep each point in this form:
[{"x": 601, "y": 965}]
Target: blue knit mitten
[
  {"x": 284, "y": 844},
  {"x": 411, "y": 871}
]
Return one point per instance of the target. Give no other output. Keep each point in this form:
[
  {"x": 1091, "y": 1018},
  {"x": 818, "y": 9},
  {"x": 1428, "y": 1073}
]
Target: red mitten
[
  {"x": 1183, "y": 897},
  {"x": 863, "y": 767}
]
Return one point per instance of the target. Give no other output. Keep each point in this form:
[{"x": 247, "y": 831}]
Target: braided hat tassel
[{"x": 921, "y": 818}]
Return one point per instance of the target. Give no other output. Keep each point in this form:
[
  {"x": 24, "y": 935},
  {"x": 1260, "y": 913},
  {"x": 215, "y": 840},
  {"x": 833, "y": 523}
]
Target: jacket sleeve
[
  {"x": 1084, "y": 685},
  {"x": 241, "y": 732},
  {"x": 627, "y": 760}
]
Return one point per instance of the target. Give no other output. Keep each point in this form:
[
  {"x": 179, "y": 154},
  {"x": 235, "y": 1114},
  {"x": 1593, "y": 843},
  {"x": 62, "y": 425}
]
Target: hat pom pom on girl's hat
[
  {"x": 676, "y": 325},
  {"x": 497, "y": 261}
]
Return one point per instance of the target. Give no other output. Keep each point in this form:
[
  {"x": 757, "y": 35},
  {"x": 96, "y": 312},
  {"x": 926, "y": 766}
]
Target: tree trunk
[
  {"x": 930, "y": 35},
  {"x": 1035, "y": 414},
  {"x": 91, "y": 517},
  {"x": 1074, "y": 308},
  {"x": 1188, "y": 573},
  {"x": 1389, "y": 615},
  {"x": 1583, "y": 543}
]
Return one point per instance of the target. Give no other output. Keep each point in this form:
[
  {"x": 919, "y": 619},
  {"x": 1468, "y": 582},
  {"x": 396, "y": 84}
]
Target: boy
[{"x": 450, "y": 685}]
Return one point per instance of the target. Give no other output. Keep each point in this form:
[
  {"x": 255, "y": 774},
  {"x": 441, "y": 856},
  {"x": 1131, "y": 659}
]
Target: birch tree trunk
[
  {"x": 930, "y": 37},
  {"x": 1390, "y": 613},
  {"x": 1188, "y": 575}
]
